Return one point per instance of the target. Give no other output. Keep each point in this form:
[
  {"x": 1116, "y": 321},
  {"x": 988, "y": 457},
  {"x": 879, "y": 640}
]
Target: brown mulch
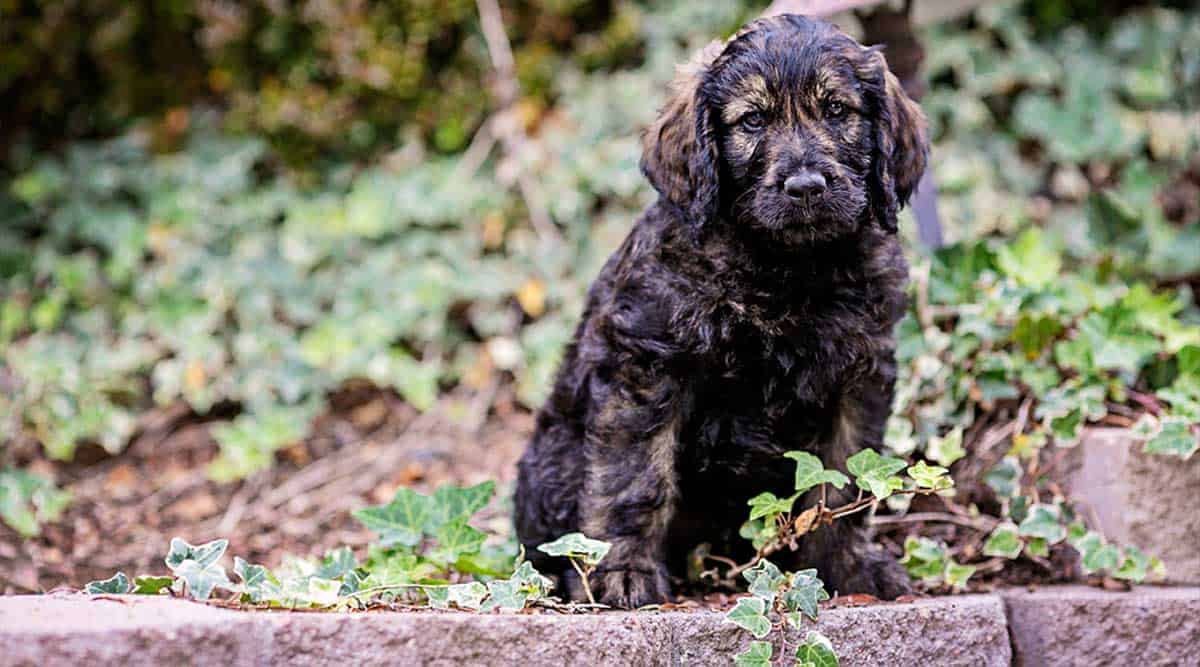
[{"x": 126, "y": 508}]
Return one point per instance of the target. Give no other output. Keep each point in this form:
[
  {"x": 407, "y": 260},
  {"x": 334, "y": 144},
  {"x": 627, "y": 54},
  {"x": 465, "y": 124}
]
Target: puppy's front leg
[
  {"x": 630, "y": 487},
  {"x": 847, "y": 560}
]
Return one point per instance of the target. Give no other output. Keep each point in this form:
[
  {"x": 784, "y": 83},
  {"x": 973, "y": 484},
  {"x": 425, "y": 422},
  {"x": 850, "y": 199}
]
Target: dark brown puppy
[{"x": 749, "y": 312}]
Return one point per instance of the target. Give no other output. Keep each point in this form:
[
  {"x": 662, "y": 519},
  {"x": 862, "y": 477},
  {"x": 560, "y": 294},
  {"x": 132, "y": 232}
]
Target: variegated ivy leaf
[
  {"x": 1175, "y": 437},
  {"x": 876, "y": 473},
  {"x": 118, "y": 584},
  {"x": 804, "y": 591},
  {"x": 750, "y": 615},
  {"x": 464, "y": 596},
  {"x": 1135, "y": 565},
  {"x": 930, "y": 477},
  {"x": 1044, "y": 521},
  {"x": 313, "y": 591},
  {"x": 204, "y": 555},
  {"x": 765, "y": 580},
  {"x": 257, "y": 582},
  {"x": 1102, "y": 557},
  {"x": 1005, "y": 477},
  {"x": 810, "y": 472},
  {"x": 923, "y": 558},
  {"x": 1037, "y": 547},
  {"x": 201, "y": 579},
  {"x": 766, "y": 504},
  {"x": 757, "y": 655},
  {"x": 816, "y": 651},
  {"x": 505, "y": 594},
  {"x": 1003, "y": 542},
  {"x": 957, "y": 574},
  {"x": 579, "y": 547},
  {"x": 946, "y": 449},
  {"x": 337, "y": 563}
]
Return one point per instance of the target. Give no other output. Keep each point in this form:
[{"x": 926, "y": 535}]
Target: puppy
[{"x": 749, "y": 312}]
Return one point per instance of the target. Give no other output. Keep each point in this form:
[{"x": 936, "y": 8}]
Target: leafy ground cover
[{"x": 313, "y": 349}]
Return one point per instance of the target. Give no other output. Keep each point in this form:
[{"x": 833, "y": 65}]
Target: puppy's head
[{"x": 791, "y": 129}]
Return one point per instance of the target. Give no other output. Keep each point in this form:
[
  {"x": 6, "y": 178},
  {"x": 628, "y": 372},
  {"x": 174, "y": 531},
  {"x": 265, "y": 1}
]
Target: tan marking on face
[{"x": 752, "y": 95}]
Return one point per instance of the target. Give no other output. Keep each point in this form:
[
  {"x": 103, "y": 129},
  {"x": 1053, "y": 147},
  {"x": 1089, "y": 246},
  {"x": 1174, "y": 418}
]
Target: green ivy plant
[{"x": 773, "y": 524}]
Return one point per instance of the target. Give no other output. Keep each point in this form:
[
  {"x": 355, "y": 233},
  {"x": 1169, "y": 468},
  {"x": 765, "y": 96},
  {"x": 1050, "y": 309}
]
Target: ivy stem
[{"x": 583, "y": 576}]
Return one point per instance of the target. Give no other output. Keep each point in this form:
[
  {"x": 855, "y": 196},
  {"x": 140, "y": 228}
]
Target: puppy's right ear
[{"x": 679, "y": 150}]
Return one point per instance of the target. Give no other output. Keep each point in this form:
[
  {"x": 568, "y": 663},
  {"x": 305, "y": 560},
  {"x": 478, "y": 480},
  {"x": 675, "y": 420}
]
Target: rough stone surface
[
  {"x": 78, "y": 630},
  {"x": 1077, "y": 625},
  {"x": 1141, "y": 499}
]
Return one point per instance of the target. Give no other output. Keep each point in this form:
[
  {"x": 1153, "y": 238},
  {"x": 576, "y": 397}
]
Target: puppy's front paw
[
  {"x": 874, "y": 573},
  {"x": 632, "y": 587}
]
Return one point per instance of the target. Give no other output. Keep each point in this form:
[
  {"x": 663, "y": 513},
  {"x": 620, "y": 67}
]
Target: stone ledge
[
  {"x": 1060, "y": 625},
  {"x": 1078, "y": 625},
  {"x": 127, "y": 630}
]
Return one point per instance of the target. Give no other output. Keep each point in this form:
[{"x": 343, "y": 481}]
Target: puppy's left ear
[
  {"x": 901, "y": 140},
  {"x": 679, "y": 151}
]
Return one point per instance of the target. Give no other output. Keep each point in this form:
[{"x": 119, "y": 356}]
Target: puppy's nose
[{"x": 804, "y": 184}]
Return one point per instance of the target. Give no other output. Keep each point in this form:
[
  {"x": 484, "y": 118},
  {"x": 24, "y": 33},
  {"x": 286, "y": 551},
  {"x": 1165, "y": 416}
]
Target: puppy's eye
[
  {"x": 755, "y": 120},
  {"x": 835, "y": 109}
]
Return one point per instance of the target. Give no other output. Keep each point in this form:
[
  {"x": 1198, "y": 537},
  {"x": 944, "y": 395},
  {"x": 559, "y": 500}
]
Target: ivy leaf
[
  {"x": 1135, "y": 565},
  {"x": 930, "y": 477},
  {"x": 401, "y": 521},
  {"x": 923, "y": 558},
  {"x": 875, "y": 473},
  {"x": 1044, "y": 521},
  {"x": 1005, "y": 477},
  {"x": 202, "y": 579},
  {"x": 1101, "y": 557},
  {"x": 804, "y": 591},
  {"x": 766, "y": 504},
  {"x": 810, "y": 472},
  {"x": 118, "y": 584},
  {"x": 765, "y": 580},
  {"x": 577, "y": 546},
  {"x": 758, "y": 655},
  {"x": 1174, "y": 438},
  {"x": 453, "y": 503},
  {"x": 1003, "y": 542},
  {"x": 146, "y": 584},
  {"x": 1030, "y": 259},
  {"x": 257, "y": 581},
  {"x": 454, "y": 540},
  {"x": 1037, "y": 546},
  {"x": 466, "y": 596},
  {"x": 336, "y": 563},
  {"x": 816, "y": 651},
  {"x": 945, "y": 450},
  {"x": 204, "y": 555},
  {"x": 957, "y": 574},
  {"x": 749, "y": 614},
  {"x": 531, "y": 580},
  {"x": 505, "y": 594}
]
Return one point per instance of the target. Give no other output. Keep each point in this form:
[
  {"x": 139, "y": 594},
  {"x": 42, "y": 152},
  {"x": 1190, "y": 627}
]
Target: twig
[
  {"x": 981, "y": 524},
  {"x": 507, "y": 126}
]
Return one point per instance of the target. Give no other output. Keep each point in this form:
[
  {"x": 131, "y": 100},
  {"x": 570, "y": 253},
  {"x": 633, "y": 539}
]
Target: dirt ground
[{"x": 126, "y": 508}]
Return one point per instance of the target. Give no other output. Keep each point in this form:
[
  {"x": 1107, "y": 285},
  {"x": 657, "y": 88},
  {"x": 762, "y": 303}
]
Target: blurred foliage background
[{"x": 236, "y": 212}]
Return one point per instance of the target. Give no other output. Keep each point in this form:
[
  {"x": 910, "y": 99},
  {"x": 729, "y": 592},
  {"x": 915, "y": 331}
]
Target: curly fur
[{"x": 736, "y": 322}]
